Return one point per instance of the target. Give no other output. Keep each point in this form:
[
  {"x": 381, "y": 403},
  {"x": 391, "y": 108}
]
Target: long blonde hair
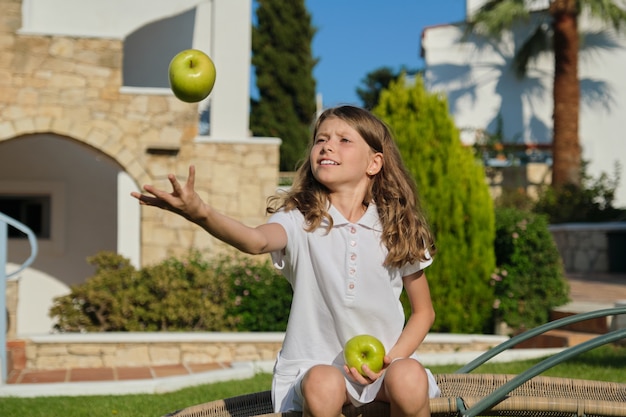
[{"x": 405, "y": 234}]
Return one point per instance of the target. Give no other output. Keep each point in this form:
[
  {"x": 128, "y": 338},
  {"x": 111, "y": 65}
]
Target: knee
[
  {"x": 323, "y": 387},
  {"x": 321, "y": 376},
  {"x": 406, "y": 376}
]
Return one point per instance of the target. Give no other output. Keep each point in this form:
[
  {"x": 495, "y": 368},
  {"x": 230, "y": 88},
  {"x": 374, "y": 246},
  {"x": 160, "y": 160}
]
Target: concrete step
[
  {"x": 600, "y": 325},
  {"x": 556, "y": 339}
]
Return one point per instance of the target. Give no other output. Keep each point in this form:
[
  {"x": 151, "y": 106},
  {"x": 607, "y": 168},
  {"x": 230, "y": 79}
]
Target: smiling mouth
[{"x": 328, "y": 162}]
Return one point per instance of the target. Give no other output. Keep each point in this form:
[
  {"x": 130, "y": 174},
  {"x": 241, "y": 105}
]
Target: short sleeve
[
  {"x": 281, "y": 217},
  {"x": 409, "y": 269}
]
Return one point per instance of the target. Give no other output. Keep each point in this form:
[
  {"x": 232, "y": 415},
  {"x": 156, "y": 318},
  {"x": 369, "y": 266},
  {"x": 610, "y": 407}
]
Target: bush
[
  {"x": 456, "y": 198},
  {"x": 93, "y": 305},
  {"x": 260, "y": 298},
  {"x": 592, "y": 201},
  {"x": 529, "y": 280},
  {"x": 174, "y": 295}
]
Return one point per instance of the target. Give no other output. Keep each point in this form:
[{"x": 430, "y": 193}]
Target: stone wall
[
  {"x": 584, "y": 247},
  {"x": 144, "y": 349},
  {"x": 11, "y": 307}
]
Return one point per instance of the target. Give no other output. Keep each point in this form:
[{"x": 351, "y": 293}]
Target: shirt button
[
  {"x": 353, "y": 230},
  {"x": 353, "y": 243},
  {"x": 352, "y": 271},
  {"x": 353, "y": 257},
  {"x": 351, "y": 286}
]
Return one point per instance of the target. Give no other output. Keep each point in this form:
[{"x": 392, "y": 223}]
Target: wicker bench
[
  {"x": 541, "y": 396},
  {"x": 470, "y": 395}
]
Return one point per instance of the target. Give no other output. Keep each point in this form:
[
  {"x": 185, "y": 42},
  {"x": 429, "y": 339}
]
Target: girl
[{"x": 349, "y": 235}]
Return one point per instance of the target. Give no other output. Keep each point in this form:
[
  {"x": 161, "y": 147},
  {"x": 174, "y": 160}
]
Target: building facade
[
  {"x": 485, "y": 95},
  {"x": 86, "y": 117}
]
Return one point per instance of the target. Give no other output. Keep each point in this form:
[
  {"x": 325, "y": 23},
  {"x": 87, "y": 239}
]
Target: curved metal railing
[
  {"x": 5, "y": 221},
  {"x": 500, "y": 393}
]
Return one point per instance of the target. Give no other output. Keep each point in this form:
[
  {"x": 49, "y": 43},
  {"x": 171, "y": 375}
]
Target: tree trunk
[{"x": 566, "y": 149}]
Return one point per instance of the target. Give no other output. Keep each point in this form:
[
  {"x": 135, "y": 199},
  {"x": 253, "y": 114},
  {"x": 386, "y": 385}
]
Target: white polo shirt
[{"x": 341, "y": 288}]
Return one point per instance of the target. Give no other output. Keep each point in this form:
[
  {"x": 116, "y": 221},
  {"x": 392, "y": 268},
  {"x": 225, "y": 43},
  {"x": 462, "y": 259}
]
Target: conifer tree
[
  {"x": 452, "y": 187},
  {"x": 283, "y": 64}
]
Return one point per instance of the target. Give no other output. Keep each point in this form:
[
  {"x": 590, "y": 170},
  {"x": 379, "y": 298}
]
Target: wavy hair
[{"x": 405, "y": 231}]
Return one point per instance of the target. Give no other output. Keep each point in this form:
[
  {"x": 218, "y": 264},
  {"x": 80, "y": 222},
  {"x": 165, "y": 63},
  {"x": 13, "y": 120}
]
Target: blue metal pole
[{"x": 4, "y": 236}]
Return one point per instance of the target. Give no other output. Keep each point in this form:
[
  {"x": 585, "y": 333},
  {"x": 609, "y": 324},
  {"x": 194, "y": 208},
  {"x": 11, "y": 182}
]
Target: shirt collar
[{"x": 369, "y": 219}]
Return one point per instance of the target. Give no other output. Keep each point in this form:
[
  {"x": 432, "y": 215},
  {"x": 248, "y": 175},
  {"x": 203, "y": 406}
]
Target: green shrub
[
  {"x": 529, "y": 280},
  {"x": 175, "y": 295},
  {"x": 260, "y": 297},
  {"x": 592, "y": 201},
  {"x": 454, "y": 193},
  {"x": 94, "y": 305},
  {"x": 171, "y": 296}
]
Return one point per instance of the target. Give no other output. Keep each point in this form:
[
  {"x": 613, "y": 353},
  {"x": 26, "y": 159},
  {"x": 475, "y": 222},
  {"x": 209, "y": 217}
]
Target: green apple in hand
[
  {"x": 192, "y": 75},
  {"x": 364, "y": 350}
]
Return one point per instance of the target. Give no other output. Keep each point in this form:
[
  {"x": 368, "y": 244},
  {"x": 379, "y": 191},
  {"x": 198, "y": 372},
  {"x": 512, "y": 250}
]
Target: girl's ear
[{"x": 376, "y": 164}]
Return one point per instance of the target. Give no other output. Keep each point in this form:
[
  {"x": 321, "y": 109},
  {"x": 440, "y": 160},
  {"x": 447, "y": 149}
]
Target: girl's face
[{"x": 340, "y": 158}]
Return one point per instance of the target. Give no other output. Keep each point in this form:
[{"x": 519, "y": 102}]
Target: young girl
[{"x": 349, "y": 235}]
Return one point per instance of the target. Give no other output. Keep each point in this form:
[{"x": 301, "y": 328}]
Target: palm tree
[{"x": 558, "y": 33}]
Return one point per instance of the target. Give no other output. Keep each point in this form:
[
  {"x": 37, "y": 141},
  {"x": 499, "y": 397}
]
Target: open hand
[{"x": 183, "y": 200}]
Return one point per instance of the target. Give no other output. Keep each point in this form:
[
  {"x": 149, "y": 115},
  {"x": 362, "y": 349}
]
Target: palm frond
[
  {"x": 497, "y": 16},
  {"x": 538, "y": 42},
  {"x": 607, "y": 11},
  {"x": 600, "y": 40}
]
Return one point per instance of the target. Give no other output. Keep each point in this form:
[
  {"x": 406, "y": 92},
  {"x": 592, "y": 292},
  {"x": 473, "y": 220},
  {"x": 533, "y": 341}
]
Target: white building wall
[
  {"x": 113, "y": 19},
  {"x": 231, "y": 48},
  {"x": 222, "y": 29},
  {"x": 477, "y": 78},
  {"x": 36, "y": 294}
]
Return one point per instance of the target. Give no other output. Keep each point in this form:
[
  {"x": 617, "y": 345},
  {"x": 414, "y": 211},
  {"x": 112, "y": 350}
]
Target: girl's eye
[{"x": 319, "y": 140}]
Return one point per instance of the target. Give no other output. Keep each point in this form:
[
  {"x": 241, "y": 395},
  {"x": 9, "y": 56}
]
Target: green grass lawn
[{"x": 607, "y": 363}]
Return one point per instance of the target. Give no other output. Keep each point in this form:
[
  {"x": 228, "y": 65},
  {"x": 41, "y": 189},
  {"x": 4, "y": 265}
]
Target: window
[{"x": 32, "y": 210}]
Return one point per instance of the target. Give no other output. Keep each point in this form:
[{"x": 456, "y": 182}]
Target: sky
[{"x": 356, "y": 37}]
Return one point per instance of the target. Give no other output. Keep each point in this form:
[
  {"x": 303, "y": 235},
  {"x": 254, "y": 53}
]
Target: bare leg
[
  {"x": 324, "y": 392},
  {"x": 405, "y": 388}
]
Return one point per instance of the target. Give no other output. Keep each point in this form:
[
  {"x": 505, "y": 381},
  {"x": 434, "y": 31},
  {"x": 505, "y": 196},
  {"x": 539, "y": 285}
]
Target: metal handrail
[
  {"x": 32, "y": 239},
  {"x": 562, "y": 322},
  {"x": 501, "y": 392}
]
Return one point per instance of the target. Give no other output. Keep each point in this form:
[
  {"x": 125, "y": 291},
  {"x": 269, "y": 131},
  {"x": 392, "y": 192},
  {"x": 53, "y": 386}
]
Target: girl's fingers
[
  {"x": 175, "y": 184},
  {"x": 191, "y": 179},
  {"x": 356, "y": 375},
  {"x": 166, "y": 200}
]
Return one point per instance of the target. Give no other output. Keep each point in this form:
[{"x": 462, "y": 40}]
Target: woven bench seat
[{"x": 540, "y": 396}]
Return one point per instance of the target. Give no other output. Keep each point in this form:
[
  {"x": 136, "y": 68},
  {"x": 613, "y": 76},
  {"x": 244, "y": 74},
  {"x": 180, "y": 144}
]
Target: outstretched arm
[{"x": 185, "y": 201}]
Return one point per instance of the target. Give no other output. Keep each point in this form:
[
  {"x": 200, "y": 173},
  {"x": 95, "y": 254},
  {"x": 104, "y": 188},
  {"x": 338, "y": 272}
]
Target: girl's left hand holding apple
[{"x": 370, "y": 376}]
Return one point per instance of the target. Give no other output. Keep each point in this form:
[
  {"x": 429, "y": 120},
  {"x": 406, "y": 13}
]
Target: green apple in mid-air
[
  {"x": 364, "y": 350},
  {"x": 192, "y": 75}
]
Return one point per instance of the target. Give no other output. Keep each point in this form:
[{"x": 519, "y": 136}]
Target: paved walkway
[
  {"x": 598, "y": 288},
  {"x": 588, "y": 291},
  {"x": 26, "y": 376}
]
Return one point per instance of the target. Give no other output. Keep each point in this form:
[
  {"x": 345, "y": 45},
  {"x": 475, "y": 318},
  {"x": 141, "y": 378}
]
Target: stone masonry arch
[{"x": 97, "y": 138}]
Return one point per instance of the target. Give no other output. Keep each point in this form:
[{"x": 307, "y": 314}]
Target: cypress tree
[
  {"x": 452, "y": 186},
  {"x": 283, "y": 63}
]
